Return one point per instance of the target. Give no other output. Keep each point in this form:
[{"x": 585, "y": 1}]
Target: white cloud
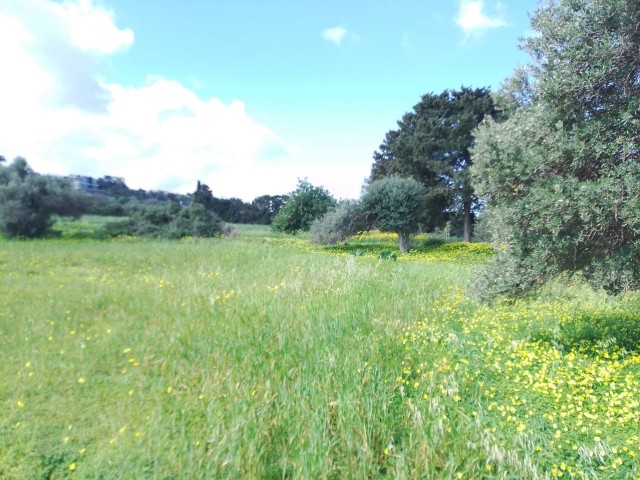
[
  {"x": 59, "y": 113},
  {"x": 335, "y": 35},
  {"x": 91, "y": 27},
  {"x": 472, "y": 19}
]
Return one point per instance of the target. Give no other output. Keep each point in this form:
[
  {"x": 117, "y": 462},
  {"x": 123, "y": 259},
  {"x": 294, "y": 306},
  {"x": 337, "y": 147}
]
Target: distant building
[{"x": 92, "y": 185}]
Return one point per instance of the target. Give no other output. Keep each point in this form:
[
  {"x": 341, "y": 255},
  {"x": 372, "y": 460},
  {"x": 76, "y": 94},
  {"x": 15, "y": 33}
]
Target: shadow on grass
[
  {"x": 594, "y": 330},
  {"x": 427, "y": 248},
  {"x": 587, "y": 329},
  {"x": 374, "y": 246}
]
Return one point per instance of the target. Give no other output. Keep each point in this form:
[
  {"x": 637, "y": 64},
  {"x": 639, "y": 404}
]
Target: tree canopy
[
  {"x": 392, "y": 204},
  {"x": 432, "y": 145},
  {"x": 562, "y": 175},
  {"x": 29, "y": 200},
  {"x": 304, "y": 205}
]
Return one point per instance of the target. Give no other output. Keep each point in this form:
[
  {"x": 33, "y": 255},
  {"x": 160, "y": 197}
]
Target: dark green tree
[
  {"x": 203, "y": 196},
  {"x": 562, "y": 175},
  {"x": 305, "y": 204},
  {"x": 266, "y": 207},
  {"x": 393, "y": 204},
  {"x": 432, "y": 145}
]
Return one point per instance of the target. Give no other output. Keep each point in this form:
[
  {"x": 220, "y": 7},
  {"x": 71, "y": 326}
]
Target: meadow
[{"x": 262, "y": 356}]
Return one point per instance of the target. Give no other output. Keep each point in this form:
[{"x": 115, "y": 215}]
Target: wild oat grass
[{"x": 262, "y": 357}]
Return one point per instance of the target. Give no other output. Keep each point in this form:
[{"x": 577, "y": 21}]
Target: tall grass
[{"x": 250, "y": 357}]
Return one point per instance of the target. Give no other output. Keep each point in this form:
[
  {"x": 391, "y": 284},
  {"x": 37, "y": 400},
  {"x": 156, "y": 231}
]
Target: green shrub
[
  {"x": 170, "y": 221},
  {"x": 338, "y": 224}
]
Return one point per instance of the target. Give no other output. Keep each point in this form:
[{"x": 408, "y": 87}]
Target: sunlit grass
[
  {"x": 87, "y": 226},
  {"x": 260, "y": 356}
]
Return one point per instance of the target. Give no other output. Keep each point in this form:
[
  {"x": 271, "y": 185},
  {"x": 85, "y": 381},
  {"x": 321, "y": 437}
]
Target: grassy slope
[{"x": 253, "y": 358}]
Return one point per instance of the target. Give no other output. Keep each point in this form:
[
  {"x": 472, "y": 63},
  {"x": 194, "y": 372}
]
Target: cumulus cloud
[
  {"x": 59, "y": 113},
  {"x": 334, "y": 35},
  {"x": 60, "y": 44},
  {"x": 473, "y": 20}
]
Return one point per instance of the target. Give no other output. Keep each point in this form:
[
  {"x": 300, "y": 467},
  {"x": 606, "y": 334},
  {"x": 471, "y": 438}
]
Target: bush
[
  {"x": 339, "y": 223},
  {"x": 170, "y": 221}
]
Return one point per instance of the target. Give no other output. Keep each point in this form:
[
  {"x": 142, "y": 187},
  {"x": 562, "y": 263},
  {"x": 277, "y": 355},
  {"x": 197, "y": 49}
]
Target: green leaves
[
  {"x": 393, "y": 204},
  {"x": 305, "y": 204},
  {"x": 28, "y": 200},
  {"x": 561, "y": 174},
  {"x": 432, "y": 145}
]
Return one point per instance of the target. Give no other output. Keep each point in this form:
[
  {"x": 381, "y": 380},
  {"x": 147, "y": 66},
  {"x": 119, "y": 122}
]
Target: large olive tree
[{"x": 562, "y": 175}]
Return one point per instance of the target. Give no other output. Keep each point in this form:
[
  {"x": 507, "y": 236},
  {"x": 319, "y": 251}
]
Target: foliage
[
  {"x": 203, "y": 196},
  {"x": 432, "y": 145},
  {"x": 425, "y": 248},
  {"x": 29, "y": 200},
  {"x": 392, "y": 204},
  {"x": 339, "y": 223},
  {"x": 305, "y": 204},
  {"x": 112, "y": 197},
  {"x": 170, "y": 221},
  {"x": 261, "y": 211},
  {"x": 561, "y": 175},
  {"x": 266, "y": 207}
]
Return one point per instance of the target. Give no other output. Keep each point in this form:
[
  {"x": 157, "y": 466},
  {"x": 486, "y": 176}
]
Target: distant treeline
[
  {"x": 110, "y": 196},
  {"x": 29, "y": 203}
]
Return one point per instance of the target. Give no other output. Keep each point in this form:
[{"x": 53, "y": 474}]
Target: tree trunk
[
  {"x": 403, "y": 238},
  {"x": 467, "y": 221}
]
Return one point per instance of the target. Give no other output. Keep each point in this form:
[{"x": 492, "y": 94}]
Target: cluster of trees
[
  {"x": 553, "y": 156},
  {"x": 549, "y": 164},
  {"x": 115, "y": 198},
  {"x": 432, "y": 145},
  {"x": 391, "y": 204},
  {"x": 261, "y": 211},
  {"x": 420, "y": 177},
  {"x": 28, "y": 200},
  {"x": 199, "y": 215}
]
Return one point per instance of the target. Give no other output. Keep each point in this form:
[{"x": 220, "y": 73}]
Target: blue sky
[{"x": 244, "y": 95}]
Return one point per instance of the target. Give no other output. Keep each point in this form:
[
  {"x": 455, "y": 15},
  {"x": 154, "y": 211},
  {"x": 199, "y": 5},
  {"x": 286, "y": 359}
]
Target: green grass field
[{"x": 263, "y": 357}]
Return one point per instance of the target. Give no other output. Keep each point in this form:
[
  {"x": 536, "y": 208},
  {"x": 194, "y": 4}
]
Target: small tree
[
  {"x": 305, "y": 204},
  {"x": 393, "y": 204},
  {"x": 203, "y": 196}
]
